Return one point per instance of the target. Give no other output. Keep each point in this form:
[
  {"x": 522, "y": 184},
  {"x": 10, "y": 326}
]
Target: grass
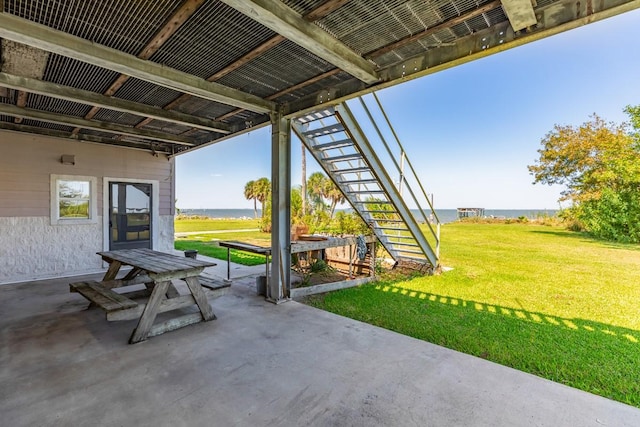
[
  {"x": 206, "y": 244},
  {"x": 214, "y": 251},
  {"x": 540, "y": 299},
  {"x": 184, "y": 225}
]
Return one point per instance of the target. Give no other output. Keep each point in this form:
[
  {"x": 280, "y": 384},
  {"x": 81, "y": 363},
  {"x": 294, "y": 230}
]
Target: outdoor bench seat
[
  {"x": 214, "y": 288},
  {"x": 102, "y": 296}
]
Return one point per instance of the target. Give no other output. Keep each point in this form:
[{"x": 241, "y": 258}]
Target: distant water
[
  {"x": 221, "y": 213},
  {"x": 445, "y": 215}
]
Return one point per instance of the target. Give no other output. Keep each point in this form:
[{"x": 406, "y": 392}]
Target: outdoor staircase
[{"x": 362, "y": 167}]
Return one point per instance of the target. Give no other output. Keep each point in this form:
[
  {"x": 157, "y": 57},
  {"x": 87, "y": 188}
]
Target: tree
[
  {"x": 319, "y": 188},
  {"x": 333, "y": 194},
  {"x": 315, "y": 190},
  {"x": 250, "y": 194},
  {"x": 303, "y": 189},
  {"x": 599, "y": 165},
  {"x": 262, "y": 191}
]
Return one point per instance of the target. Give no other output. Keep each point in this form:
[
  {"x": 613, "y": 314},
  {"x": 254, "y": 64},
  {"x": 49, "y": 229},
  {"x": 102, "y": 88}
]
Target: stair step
[
  {"x": 343, "y": 158},
  {"x": 398, "y": 237},
  {"x": 390, "y": 228},
  {"x": 408, "y": 245},
  {"x": 374, "y": 202},
  {"x": 353, "y": 170},
  {"x": 366, "y": 192},
  {"x": 316, "y": 115},
  {"x": 396, "y": 219},
  {"x": 381, "y": 212},
  {"x": 420, "y": 260},
  {"x": 333, "y": 144},
  {"x": 407, "y": 251},
  {"x": 327, "y": 130},
  {"x": 360, "y": 181}
]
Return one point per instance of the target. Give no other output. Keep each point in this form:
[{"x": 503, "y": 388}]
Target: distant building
[{"x": 470, "y": 213}]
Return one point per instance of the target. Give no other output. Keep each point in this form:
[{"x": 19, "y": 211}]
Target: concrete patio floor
[{"x": 257, "y": 365}]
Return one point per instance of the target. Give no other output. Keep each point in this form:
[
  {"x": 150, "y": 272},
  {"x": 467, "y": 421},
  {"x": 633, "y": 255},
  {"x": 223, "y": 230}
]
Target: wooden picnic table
[{"x": 155, "y": 270}]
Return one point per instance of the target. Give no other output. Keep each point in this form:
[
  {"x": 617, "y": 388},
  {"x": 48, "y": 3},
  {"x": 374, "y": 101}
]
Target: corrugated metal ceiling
[{"x": 216, "y": 36}]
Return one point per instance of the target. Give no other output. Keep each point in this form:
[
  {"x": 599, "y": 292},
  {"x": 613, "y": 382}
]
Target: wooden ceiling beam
[
  {"x": 186, "y": 9},
  {"x": 287, "y": 90},
  {"x": 324, "y": 9},
  {"x": 25, "y": 84},
  {"x": 285, "y": 21},
  {"x": 60, "y": 119},
  {"x": 151, "y": 147},
  {"x": 432, "y": 30},
  {"x": 318, "y": 13}
]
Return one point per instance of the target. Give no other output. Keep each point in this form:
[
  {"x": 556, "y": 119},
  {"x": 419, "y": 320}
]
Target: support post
[{"x": 280, "y": 280}]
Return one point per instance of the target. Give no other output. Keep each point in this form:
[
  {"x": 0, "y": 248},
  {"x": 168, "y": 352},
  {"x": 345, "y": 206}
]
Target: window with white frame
[{"x": 73, "y": 199}]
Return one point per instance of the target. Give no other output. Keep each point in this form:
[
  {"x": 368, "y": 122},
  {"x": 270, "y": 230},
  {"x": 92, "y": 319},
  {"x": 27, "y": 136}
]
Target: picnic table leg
[
  {"x": 141, "y": 332},
  {"x": 228, "y": 264},
  {"x": 112, "y": 272},
  {"x": 172, "y": 292},
  {"x": 201, "y": 299},
  {"x": 132, "y": 274}
]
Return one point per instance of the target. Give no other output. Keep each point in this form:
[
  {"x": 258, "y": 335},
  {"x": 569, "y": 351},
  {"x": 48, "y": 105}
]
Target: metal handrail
[{"x": 400, "y": 169}]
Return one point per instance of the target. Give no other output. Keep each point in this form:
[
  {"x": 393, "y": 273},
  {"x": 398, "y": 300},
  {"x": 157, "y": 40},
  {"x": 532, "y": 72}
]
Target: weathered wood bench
[
  {"x": 120, "y": 307},
  {"x": 214, "y": 288},
  {"x": 102, "y": 296}
]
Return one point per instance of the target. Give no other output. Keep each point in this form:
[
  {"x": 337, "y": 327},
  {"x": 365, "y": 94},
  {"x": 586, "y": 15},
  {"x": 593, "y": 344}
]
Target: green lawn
[
  {"x": 206, "y": 243},
  {"x": 184, "y": 225},
  {"x": 540, "y": 299},
  {"x": 214, "y": 251}
]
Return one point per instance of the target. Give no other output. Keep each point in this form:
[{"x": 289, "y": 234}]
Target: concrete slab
[{"x": 257, "y": 364}]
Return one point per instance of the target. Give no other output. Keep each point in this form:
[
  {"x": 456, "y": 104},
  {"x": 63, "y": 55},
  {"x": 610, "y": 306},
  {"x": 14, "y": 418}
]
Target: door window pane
[{"x": 130, "y": 215}]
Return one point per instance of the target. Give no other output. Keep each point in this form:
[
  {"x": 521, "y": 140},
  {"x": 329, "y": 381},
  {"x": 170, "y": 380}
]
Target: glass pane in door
[{"x": 130, "y": 221}]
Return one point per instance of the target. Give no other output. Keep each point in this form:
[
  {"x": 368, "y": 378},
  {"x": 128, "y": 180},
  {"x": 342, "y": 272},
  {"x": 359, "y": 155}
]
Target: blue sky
[{"x": 471, "y": 130}]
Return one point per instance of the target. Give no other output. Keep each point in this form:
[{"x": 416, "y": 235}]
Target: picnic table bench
[{"x": 155, "y": 270}]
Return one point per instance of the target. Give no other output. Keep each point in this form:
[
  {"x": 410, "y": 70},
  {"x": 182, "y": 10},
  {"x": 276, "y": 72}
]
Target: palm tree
[
  {"x": 315, "y": 189},
  {"x": 250, "y": 194},
  {"x": 333, "y": 194},
  {"x": 262, "y": 191},
  {"x": 303, "y": 189}
]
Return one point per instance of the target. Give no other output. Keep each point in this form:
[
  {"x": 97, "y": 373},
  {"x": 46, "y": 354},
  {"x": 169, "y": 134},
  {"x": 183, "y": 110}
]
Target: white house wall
[{"x": 32, "y": 248}]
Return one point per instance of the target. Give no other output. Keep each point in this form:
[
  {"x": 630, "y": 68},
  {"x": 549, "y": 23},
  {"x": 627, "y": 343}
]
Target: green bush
[{"x": 614, "y": 216}]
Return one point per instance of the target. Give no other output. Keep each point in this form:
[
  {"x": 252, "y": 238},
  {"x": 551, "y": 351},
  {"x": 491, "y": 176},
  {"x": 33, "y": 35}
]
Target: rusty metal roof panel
[
  {"x": 146, "y": 93},
  {"x": 368, "y": 25},
  {"x": 169, "y": 128},
  {"x": 70, "y": 72},
  {"x": 120, "y": 24},
  {"x": 56, "y": 105},
  {"x": 203, "y": 108},
  {"x": 303, "y": 6},
  {"x": 278, "y": 68},
  {"x": 215, "y": 36},
  {"x": 46, "y": 125},
  {"x": 118, "y": 117},
  {"x": 315, "y": 87}
]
